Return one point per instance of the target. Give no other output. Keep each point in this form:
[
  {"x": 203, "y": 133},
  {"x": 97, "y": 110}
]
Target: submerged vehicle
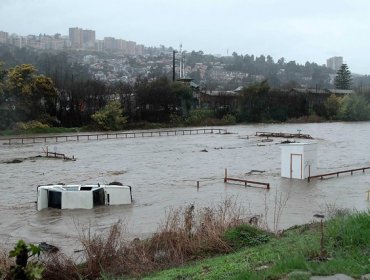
[{"x": 62, "y": 196}]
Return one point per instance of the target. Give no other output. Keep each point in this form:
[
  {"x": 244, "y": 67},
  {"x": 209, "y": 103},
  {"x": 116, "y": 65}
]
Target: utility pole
[{"x": 173, "y": 66}]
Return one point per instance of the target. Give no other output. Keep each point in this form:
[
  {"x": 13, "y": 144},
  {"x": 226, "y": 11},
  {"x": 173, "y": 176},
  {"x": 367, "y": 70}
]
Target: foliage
[
  {"x": 199, "y": 116},
  {"x": 347, "y": 241},
  {"x": 332, "y": 106},
  {"x": 110, "y": 117},
  {"x": 350, "y": 231},
  {"x": 245, "y": 235},
  {"x": 228, "y": 119},
  {"x": 27, "y": 95},
  {"x": 156, "y": 100},
  {"x": 354, "y": 107},
  {"x": 184, "y": 95},
  {"x": 25, "y": 269},
  {"x": 29, "y": 125},
  {"x": 40, "y": 130},
  {"x": 343, "y": 78},
  {"x": 253, "y": 102}
]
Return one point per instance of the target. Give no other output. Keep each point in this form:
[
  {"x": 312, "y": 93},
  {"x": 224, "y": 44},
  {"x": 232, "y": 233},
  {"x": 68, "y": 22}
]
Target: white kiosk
[{"x": 298, "y": 160}]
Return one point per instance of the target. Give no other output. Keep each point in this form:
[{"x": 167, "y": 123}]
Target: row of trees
[
  {"x": 26, "y": 95},
  {"x": 260, "y": 103}
]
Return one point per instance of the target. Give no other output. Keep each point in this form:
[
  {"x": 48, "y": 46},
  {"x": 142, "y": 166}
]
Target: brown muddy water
[{"x": 163, "y": 172}]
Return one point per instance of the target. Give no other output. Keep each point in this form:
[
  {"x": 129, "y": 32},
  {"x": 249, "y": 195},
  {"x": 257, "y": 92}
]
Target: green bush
[
  {"x": 354, "y": 108},
  {"x": 228, "y": 119},
  {"x": 245, "y": 236},
  {"x": 30, "y": 125},
  {"x": 110, "y": 117},
  {"x": 199, "y": 116}
]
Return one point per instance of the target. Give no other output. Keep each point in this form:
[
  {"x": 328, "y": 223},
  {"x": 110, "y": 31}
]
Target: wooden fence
[
  {"x": 111, "y": 135},
  {"x": 322, "y": 176},
  {"x": 246, "y": 182}
]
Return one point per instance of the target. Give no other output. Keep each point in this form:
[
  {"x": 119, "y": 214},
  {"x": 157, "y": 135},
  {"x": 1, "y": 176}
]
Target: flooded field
[{"x": 163, "y": 172}]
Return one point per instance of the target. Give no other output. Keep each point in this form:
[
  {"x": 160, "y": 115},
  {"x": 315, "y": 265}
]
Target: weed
[
  {"x": 245, "y": 236},
  {"x": 25, "y": 267}
]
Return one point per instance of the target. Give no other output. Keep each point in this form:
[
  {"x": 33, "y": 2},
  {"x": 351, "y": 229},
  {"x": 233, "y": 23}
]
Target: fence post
[{"x": 225, "y": 179}]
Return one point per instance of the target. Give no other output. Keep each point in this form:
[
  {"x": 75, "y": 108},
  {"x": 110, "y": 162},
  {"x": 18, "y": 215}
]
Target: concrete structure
[
  {"x": 298, "y": 160},
  {"x": 334, "y": 62}
]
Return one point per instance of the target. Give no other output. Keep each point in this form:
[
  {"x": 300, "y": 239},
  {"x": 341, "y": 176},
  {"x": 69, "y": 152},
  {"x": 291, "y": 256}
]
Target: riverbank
[
  {"x": 295, "y": 254},
  {"x": 338, "y": 245}
]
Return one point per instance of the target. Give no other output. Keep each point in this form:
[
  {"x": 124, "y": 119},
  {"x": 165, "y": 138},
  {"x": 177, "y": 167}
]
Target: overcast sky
[{"x": 309, "y": 30}]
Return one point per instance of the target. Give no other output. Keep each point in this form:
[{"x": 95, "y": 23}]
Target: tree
[
  {"x": 110, "y": 117},
  {"x": 343, "y": 79},
  {"x": 354, "y": 107},
  {"x": 253, "y": 102},
  {"x": 29, "y": 95},
  {"x": 156, "y": 100},
  {"x": 332, "y": 106}
]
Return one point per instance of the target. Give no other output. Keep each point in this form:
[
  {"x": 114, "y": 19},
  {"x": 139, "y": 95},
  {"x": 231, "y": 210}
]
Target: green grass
[{"x": 293, "y": 256}]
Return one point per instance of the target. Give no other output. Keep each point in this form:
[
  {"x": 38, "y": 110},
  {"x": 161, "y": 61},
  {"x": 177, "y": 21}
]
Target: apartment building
[{"x": 334, "y": 62}]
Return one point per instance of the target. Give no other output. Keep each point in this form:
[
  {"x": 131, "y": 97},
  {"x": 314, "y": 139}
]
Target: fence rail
[
  {"x": 246, "y": 182},
  {"x": 321, "y": 176},
  {"x": 111, "y": 135}
]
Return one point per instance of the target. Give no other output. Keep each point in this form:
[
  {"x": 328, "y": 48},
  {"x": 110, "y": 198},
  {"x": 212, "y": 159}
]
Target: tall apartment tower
[
  {"x": 75, "y": 35},
  {"x": 81, "y": 38},
  {"x": 88, "y": 39},
  {"x": 3, "y": 37},
  {"x": 334, "y": 62}
]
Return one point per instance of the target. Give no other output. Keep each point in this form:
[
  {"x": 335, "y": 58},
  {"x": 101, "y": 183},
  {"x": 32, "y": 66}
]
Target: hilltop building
[
  {"x": 4, "y": 37},
  {"x": 334, "y": 62},
  {"x": 81, "y": 38}
]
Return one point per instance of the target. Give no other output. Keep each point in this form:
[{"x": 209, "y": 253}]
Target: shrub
[
  {"x": 24, "y": 268},
  {"x": 110, "y": 117},
  {"x": 199, "y": 116},
  {"x": 228, "y": 119},
  {"x": 245, "y": 236},
  {"x": 30, "y": 125}
]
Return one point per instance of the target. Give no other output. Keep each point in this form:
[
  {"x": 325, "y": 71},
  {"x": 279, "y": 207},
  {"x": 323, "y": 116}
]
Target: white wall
[
  {"x": 309, "y": 159},
  {"x": 42, "y": 199},
  {"x": 118, "y": 195},
  {"x": 78, "y": 199}
]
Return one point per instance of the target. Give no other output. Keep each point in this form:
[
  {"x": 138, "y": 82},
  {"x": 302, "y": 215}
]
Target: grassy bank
[
  {"x": 217, "y": 243},
  {"x": 294, "y": 255}
]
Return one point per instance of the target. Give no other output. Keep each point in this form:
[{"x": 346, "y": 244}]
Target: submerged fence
[{"x": 111, "y": 135}]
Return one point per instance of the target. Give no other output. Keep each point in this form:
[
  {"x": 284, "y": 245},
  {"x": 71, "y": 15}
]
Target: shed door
[{"x": 296, "y": 166}]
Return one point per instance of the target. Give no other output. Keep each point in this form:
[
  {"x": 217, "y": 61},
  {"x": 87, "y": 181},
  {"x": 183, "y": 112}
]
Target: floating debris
[
  {"x": 267, "y": 140},
  {"x": 253, "y": 171},
  {"x": 283, "y": 135},
  {"x": 48, "y": 247},
  {"x": 57, "y": 155},
  {"x": 204, "y": 150},
  {"x": 16, "y": 160},
  {"x": 287, "y": 142}
]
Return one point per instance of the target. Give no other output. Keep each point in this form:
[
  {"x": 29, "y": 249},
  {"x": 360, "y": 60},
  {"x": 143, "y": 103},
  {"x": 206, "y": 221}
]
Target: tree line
[{"x": 26, "y": 95}]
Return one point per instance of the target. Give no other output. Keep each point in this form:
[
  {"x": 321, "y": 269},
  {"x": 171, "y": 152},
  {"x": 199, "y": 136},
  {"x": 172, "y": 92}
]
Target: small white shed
[{"x": 298, "y": 160}]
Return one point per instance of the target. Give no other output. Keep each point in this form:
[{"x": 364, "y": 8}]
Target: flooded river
[{"x": 163, "y": 172}]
